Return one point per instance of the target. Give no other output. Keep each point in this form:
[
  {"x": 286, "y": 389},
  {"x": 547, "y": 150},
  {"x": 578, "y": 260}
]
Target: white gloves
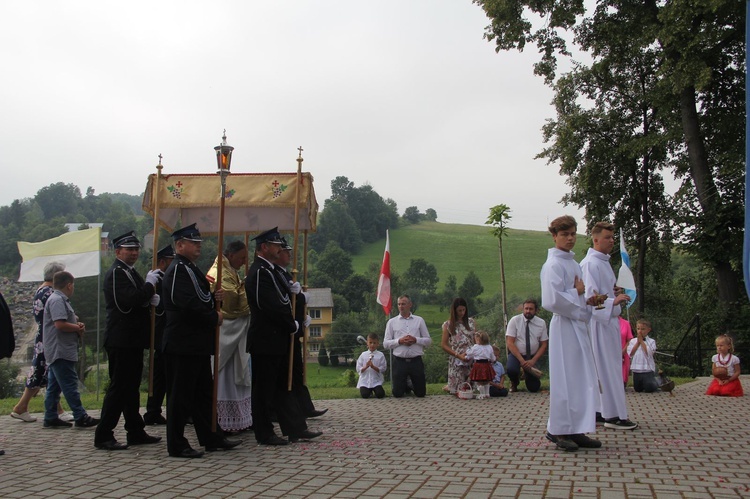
[
  {"x": 154, "y": 276},
  {"x": 308, "y": 320},
  {"x": 295, "y": 287},
  {"x": 155, "y": 300}
]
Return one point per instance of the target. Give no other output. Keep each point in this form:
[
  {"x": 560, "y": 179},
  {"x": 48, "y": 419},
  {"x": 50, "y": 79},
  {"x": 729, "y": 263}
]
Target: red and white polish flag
[{"x": 384, "y": 283}]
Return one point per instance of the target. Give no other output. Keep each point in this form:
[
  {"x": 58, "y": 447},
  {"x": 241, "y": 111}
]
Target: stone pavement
[{"x": 688, "y": 445}]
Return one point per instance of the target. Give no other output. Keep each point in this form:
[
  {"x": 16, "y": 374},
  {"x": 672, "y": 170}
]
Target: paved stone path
[{"x": 688, "y": 445}]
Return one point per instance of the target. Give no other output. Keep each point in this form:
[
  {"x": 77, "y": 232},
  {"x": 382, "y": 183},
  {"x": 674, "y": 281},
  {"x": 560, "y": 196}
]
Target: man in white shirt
[
  {"x": 526, "y": 340},
  {"x": 407, "y": 335}
]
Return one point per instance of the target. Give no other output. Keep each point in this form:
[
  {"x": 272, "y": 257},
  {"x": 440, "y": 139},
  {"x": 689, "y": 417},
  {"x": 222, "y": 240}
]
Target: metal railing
[{"x": 689, "y": 351}]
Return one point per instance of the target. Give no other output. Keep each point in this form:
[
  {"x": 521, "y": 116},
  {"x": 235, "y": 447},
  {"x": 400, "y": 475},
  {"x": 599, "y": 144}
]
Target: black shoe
[
  {"x": 86, "y": 422},
  {"x": 273, "y": 440},
  {"x": 600, "y": 419},
  {"x": 142, "y": 439},
  {"x": 315, "y": 414},
  {"x": 585, "y": 442},
  {"x": 223, "y": 444},
  {"x": 549, "y": 436},
  {"x": 56, "y": 423},
  {"x": 620, "y": 424},
  {"x": 565, "y": 443},
  {"x": 188, "y": 453},
  {"x": 111, "y": 445},
  {"x": 154, "y": 419},
  {"x": 304, "y": 436}
]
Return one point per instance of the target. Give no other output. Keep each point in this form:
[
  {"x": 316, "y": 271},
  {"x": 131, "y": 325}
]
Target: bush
[
  {"x": 8, "y": 381},
  {"x": 349, "y": 377},
  {"x": 675, "y": 371},
  {"x": 323, "y": 356},
  {"x": 435, "y": 364},
  {"x": 90, "y": 381}
]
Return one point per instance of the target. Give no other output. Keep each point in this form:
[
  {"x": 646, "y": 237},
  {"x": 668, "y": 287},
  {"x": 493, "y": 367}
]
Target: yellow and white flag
[{"x": 78, "y": 250}]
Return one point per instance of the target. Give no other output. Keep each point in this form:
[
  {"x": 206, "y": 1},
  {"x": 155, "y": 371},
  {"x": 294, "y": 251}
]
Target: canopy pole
[
  {"x": 294, "y": 264},
  {"x": 154, "y": 259}
]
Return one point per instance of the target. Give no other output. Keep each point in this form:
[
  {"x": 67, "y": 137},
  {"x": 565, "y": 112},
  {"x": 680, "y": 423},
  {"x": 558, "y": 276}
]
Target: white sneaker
[
  {"x": 25, "y": 417},
  {"x": 65, "y": 416}
]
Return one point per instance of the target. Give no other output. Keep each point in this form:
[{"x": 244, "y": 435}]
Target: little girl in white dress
[{"x": 483, "y": 356}]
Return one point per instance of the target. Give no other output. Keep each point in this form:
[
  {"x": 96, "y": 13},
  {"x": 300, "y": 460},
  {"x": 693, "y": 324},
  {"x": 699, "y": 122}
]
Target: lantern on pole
[{"x": 223, "y": 163}]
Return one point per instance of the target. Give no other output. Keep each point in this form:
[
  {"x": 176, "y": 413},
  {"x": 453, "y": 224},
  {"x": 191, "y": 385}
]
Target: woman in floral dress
[
  {"x": 458, "y": 337},
  {"x": 37, "y": 377}
]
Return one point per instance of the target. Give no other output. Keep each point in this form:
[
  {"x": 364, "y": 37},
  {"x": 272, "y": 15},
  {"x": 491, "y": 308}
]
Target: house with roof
[{"x": 320, "y": 309}]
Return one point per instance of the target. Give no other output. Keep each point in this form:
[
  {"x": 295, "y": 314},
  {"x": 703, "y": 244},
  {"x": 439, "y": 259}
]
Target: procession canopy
[{"x": 253, "y": 202}]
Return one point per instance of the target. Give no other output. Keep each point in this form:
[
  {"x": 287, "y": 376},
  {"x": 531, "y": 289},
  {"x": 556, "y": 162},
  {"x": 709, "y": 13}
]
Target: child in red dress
[
  {"x": 725, "y": 368},
  {"x": 483, "y": 356}
]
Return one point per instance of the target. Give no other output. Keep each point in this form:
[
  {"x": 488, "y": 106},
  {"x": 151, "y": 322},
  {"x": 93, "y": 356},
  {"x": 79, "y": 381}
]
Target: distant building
[
  {"x": 320, "y": 309},
  {"x": 74, "y": 226}
]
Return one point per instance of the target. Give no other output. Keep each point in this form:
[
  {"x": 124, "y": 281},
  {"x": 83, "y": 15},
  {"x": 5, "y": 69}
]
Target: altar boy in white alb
[
  {"x": 574, "y": 390},
  {"x": 599, "y": 278}
]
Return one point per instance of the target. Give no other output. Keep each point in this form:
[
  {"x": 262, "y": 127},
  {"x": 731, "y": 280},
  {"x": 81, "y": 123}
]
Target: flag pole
[
  {"x": 224, "y": 159},
  {"x": 294, "y": 264},
  {"x": 383, "y": 296},
  {"x": 98, "y": 316},
  {"x": 154, "y": 259}
]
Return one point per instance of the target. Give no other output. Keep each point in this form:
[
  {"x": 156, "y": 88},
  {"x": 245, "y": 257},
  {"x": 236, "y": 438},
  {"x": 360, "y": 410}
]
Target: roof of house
[
  {"x": 320, "y": 297},
  {"x": 73, "y": 226}
]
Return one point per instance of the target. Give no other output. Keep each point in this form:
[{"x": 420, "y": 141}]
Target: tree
[
  {"x": 332, "y": 268},
  {"x": 353, "y": 215},
  {"x": 371, "y": 213},
  {"x": 340, "y": 188},
  {"x": 58, "y": 199},
  {"x": 323, "y": 356},
  {"x": 470, "y": 290},
  {"x": 412, "y": 215},
  {"x": 430, "y": 215},
  {"x": 421, "y": 275},
  {"x": 695, "y": 53},
  {"x": 450, "y": 291},
  {"x": 359, "y": 291},
  {"x": 336, "y": 225},
  {"x": 342, "y": 339},
  {"x": 499, "y": 218}
]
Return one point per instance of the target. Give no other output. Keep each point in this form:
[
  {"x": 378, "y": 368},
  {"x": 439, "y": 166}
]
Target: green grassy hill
[{"x": 456, "y": 249}]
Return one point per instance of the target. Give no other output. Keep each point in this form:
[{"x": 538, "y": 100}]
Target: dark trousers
[
  {"x": 270, "y": 394},
  {"x": 155, "y": 401},
  {"x": 408, "y": 368},
  {"x": 645, "y": 382},
  {"x": 366, "y": 393},
  {"x": 301, "y": 393},
  {"x": 123, "y": 395},
  {"x": 189, "y": 394},
  {"x": 513, "y": 370},
  {"x": 498, "y": 392}
]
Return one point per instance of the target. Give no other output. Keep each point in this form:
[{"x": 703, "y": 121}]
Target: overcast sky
[{"x": 405, "y": 95}]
